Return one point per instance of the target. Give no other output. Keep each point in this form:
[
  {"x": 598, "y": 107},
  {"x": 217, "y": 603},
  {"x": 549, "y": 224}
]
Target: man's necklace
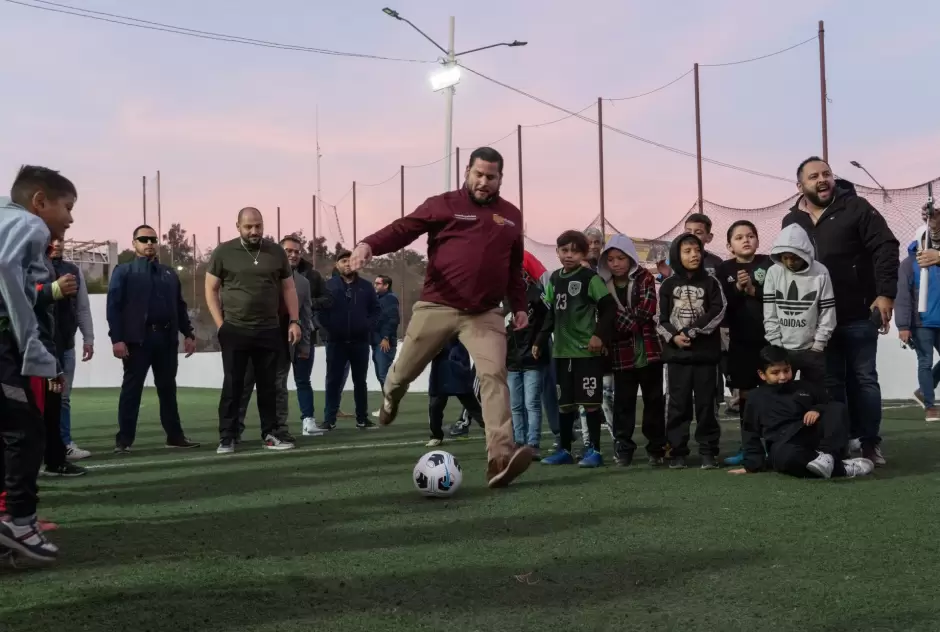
[{"x": 255, "y": 257}]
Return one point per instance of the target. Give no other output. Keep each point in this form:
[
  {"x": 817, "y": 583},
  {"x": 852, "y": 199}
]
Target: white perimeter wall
[{"x": 897, "y": 367}]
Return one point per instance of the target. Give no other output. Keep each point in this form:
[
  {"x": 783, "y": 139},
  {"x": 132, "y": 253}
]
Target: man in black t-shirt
[{"x": 248, "y": 281}]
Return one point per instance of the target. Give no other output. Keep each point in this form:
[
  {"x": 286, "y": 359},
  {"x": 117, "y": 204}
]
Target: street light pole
[
  {"x": 447, "y": 83},
  {"x": 449, "y": 109}
]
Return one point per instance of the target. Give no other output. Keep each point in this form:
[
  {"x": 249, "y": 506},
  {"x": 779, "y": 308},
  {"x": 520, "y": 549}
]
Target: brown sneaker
[
  {"x": 387, "y": 412},
  {"x": 873, "y": 453},
  {"x": 919, "y": 396},
  {"x": 502, "y": 473},
  {"x": 933, "y": 414}
]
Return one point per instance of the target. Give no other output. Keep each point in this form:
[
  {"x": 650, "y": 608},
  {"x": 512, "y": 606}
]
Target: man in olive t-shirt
[{"x": 245, "y": 283}]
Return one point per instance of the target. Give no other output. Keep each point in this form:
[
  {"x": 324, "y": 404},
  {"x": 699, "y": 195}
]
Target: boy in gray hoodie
[
  {"x": 39, "y": 207},
  {"x": 799, "y": 304}
]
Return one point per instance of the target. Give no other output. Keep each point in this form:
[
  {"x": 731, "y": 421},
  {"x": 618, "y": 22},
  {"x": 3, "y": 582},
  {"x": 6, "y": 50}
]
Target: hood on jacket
[
  {"x": 794, "y": 239},
  {"x": 676, "y": 261},
  {"x": 625, "y": 245}
]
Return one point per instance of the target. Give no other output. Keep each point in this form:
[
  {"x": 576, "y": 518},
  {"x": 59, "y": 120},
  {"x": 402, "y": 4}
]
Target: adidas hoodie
[{"x": 799, "y": 307}]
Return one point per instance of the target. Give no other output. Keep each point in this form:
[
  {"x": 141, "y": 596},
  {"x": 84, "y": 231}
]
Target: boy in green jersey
[{"x": 580, "y": 316}]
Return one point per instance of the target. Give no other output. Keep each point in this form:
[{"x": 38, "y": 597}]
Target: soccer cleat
[
  {"x": 460, "y": 430},
  {"x": 28, "y": 540},
  {"x": 709, "y": 462},
  {"x": 873, "y": 454},
  {"x": 66, "y": 470},
  {"x": 591, "y": 458},
  {"x": 821, "y": 466},
  {"x": 75, "y": 453},
  {"x": 274, "y": 443},
  {"x": 858, "y": 467},
  {"x": 226, "y": 446},
  {"x": 736, "y": 460},
  {"x": 677, "y": 463},
  {"x": 310, "y": 429},
  {"x": 560, "y": 457},
  {"x": 433, "y": 443},
  {"x": 182, "y": 443}
]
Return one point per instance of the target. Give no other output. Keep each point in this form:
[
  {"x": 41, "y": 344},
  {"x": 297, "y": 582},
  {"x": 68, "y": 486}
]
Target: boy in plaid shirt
[{"x": 635, "y": 352}]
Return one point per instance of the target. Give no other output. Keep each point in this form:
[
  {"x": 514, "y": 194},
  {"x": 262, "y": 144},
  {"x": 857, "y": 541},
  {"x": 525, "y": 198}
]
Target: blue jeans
[
  {"x": 852, "y": 377},
  {"x": 550, "y": 396},
  {"x": 302, "y": 371},
  {"x": 65, "y": 422},
  {"x": 340, "y": 358},
  {"x": 382, "y": 360},
  {"x": 525, "y": 401},
  {"x": 925, "y": 340}
]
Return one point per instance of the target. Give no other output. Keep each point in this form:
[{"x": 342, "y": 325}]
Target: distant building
[{"x": 95, "y": 258}]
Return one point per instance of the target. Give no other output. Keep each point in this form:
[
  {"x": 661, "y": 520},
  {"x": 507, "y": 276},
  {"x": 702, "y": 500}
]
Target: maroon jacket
[{"x": 474, "y": 251}]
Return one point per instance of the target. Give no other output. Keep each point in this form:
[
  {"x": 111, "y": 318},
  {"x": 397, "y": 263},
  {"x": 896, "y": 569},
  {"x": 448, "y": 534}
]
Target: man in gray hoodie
[{"x": 39, "y": 207}]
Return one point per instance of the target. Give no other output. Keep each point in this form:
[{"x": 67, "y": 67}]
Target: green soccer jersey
[{"x": 573, "y": 297}]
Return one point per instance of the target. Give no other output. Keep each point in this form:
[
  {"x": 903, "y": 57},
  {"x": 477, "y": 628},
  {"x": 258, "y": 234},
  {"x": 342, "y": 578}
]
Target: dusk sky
[{"x": 231, "y": 125}]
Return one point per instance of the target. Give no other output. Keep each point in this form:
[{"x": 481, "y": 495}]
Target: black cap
[{"x": 342, "y": 254}]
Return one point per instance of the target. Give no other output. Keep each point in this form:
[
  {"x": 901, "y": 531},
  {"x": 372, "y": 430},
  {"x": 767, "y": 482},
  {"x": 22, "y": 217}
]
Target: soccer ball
[{"x": 437, "y": 474}]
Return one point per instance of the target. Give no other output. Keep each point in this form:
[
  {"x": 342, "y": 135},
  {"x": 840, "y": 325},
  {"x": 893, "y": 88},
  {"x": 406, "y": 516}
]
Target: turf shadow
[{"x": 392, "y": 600}]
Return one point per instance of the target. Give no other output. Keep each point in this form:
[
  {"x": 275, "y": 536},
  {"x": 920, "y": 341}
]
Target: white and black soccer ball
[{"x": 437, "y": 474}]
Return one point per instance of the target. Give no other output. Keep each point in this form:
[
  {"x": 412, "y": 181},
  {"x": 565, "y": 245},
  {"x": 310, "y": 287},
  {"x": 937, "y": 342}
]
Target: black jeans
[
  {"x": 261, "y": 348},
  {"x": 810, "y": 364},
  {"x": 339, "y": 356},
  {"x": 158, "y": 351},
  {"x": 690, "y": 383},
  {"x": 830, "y": 435},
  {"x": 22, "y": 439},
  {"x": 283, "y": 401},
  {"x": 437, "y": 404},
  {"x": 649, "y": 380}
]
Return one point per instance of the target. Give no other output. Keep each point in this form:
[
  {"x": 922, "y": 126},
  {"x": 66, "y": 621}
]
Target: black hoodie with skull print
[{"x": 691, "y": 302}]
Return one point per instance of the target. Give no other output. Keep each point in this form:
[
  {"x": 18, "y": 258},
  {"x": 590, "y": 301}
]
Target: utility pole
[
  {"x": 278, "y": 236},
  {"x": 403, "y": 270},
  {"x": 519, "y": 146},
  {"x": 457, "y": 167},
  {"x": 145, "y": 199},
  {"x": 159, "y": 217},
  {"x": 195, "y": 263},
  {"x": 354, "y": 210},
  {"x": 600, "y": 153},
  {"x": 822, "y": 90},
  {"x": 318, "y": 196},
  {"x": 449, "y": 107},
  {"x": 313, "y": 243},
  {"x": 218, "y": 235},
  {"x": 698, "y": 143}
]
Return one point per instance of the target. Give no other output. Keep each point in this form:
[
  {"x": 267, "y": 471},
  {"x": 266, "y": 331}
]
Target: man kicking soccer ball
[{"x": 805, "y": 434}]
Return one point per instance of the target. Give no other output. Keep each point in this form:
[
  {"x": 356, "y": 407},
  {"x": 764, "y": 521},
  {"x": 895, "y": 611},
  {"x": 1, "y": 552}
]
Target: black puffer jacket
[{"x": 853, "y": 241}]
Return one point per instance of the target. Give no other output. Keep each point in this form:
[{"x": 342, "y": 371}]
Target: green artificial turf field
[{"x": 333, "y": 537}]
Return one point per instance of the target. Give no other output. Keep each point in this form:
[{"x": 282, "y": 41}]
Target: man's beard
[
  {"x": 815, "y": 200},
  {"x": 935, "y": 236},
  {"x": 485, "y": 201},
  {"x": 252, "y": 241}
]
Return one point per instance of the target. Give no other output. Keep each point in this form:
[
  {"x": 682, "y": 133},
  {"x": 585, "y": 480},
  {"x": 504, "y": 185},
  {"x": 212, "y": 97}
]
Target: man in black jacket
[
  {"x": 303, "y": 366},
  {"x": 855, "y": 244},
  {"x": 803, "y": 433},
  {"x": 146, "y": 314}
]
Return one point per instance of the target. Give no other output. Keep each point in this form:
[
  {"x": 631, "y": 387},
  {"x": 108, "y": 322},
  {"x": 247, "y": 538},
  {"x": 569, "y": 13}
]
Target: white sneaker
[
  {"x": 75, "y": 453},
  {"x": 310, "y": 428},
  {"x": 822, "y": 465},
  {"x": 273, "y": 443},
  {"x": 376, "y": 414},
  {"x": 855, "y": 446},
  {"x": 858, "y": 467},
  {"x": 226, "y": 446},
  {"x": 433, "y": 443}
]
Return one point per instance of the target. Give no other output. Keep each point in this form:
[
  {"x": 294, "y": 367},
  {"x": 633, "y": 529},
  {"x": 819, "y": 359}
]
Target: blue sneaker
[
  {"x": 560, "y": 457},
  {"x": 591, "y": 458},
  {"x": 736, "y": 460}
]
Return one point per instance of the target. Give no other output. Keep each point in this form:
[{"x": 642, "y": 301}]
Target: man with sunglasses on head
[{"x": 146, "y": 314}]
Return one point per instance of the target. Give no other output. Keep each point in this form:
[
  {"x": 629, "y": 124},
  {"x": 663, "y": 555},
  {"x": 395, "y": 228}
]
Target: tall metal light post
[{"x": 446, "y": 79}]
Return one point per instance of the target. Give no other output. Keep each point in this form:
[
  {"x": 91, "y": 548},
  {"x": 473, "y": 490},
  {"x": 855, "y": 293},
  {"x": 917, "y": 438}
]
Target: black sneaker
[
  {"x": 656, "y": 461},
  {"x": 28, "y": 540},
  {"x": 677, "y": 463},
  {"x": 709, "y": 462},
  {"x": 122, "y": 449},
  {"x": 460, "y": 429},
  {"x": 286, "y": 437},
  {"x": 326, "y": 426},
  {"x": 66, "y": 470},
  {"x": 365, "y": 425},
  {"x": 623, "y": 459},
  {"x": 182, "y": 443}
]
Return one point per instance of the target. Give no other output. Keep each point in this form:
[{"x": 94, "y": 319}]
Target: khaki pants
[{"x": 484, "y": 336}]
